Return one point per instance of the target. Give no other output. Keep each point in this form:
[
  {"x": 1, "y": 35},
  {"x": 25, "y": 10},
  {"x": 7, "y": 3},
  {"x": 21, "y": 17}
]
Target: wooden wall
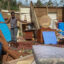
[{"x": 40, "y": 11}]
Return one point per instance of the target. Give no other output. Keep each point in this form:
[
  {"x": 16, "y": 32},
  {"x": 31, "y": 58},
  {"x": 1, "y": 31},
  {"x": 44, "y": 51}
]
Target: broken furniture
[
  {"x": 28, "y": 31},
  {"x": 28, "y": 26},
  {"x": 14, "y": 54},
  {"x": 29, "y": 34},
  {"x": 48, "y": 54},
  {"x": 39, "y": 34}
]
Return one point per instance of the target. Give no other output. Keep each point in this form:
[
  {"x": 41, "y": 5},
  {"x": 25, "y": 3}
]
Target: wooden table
[{"x": 29, "y": 34}]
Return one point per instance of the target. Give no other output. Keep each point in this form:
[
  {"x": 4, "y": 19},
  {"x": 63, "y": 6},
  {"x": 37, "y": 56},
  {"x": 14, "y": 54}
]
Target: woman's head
[{"x": 13, "y": 14}]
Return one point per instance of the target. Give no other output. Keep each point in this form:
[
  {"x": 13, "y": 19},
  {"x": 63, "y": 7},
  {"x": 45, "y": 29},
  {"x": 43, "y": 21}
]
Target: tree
[
  {"x": 13, "y": 5},
  {"x": 4, "y": 5},
  {"x": 26, "y": 2},
  {"x": 55, "y": 3},
  {"x": 39, "y": 3},
  {"x": 9, "y": 4},
  {"x": 49, "y": 3},
  {"x": 62, "y": 2},
  {"x": 0, "y": 6},
  {"x": 19, "y": 4}
]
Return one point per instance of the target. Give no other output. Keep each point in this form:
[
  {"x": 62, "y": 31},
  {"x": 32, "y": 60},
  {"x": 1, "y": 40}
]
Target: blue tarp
[
  {"x": 4, "y": 28},
  {"x": 49, "y": 37},
  {"x": 61, "y": 26}
]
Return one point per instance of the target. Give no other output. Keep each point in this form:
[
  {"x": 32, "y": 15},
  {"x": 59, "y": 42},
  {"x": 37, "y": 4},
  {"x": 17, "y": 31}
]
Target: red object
[
  {"x": 60, "y": 21},
  {"x": 6, "y": 18},
  {"x": 26, "y": 45}
]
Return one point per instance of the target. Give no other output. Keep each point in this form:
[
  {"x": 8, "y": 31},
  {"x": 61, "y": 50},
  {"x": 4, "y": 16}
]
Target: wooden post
[
  {"x": 9, "y": 5},
  {"x": 34, "y": 17},
  {"x": 20, "y": 19},
  {"x": 47, "y": 9},
  {"x": 0, "y": 6}
]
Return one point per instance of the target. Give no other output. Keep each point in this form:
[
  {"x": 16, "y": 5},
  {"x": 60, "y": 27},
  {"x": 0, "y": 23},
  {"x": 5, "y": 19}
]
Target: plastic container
[
  {"x": 62, "y": 33},
  {"x": 61, "y": 27}
]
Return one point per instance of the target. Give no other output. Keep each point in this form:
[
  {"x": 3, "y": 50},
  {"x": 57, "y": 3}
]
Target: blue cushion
[{"x": 49, "y": 37}]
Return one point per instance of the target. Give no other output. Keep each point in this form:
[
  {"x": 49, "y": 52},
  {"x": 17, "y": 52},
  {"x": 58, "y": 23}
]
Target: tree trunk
[
  {"x": 47, "y": 9},
  {"x": 8, "y": 4},
  {"x": 0, "y": 6}
]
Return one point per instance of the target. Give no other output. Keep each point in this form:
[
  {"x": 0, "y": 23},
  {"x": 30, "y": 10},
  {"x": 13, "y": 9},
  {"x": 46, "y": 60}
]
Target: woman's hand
[{"x": 25, "y": 21}]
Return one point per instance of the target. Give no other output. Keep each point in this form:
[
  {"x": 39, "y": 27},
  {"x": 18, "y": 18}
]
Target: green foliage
[
  {"x": 39, "y": 3},
  {"x": 9, "y": 4},
  {"x": 13, "y": 5},
  {"x": 62, "y": 2},
  {"x": 4, "y": 6},
  {"x": 49, "y": 3},
  {"x": 20, "y": 34},
  {"x": 19, "y": 4}
]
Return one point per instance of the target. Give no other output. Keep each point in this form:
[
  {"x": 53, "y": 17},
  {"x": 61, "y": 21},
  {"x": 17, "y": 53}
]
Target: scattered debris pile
[{"x": 26, "y": 47}]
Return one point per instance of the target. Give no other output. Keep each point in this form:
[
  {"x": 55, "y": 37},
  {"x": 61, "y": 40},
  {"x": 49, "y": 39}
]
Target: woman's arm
[
  {"x": 21, "y": 21},
  {"x": 8, "y": 21}
]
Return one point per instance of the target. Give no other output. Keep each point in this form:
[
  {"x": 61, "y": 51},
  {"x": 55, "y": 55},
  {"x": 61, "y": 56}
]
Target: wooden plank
[
  {"x": 34, "y": 18},
  {"x": 7, "y": 49},
  {"x": 23, "y": 60}
]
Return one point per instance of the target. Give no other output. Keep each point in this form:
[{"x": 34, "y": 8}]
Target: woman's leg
[
  {"x": 15, "y": 34},
  {"x": 12, "y": 34}
]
